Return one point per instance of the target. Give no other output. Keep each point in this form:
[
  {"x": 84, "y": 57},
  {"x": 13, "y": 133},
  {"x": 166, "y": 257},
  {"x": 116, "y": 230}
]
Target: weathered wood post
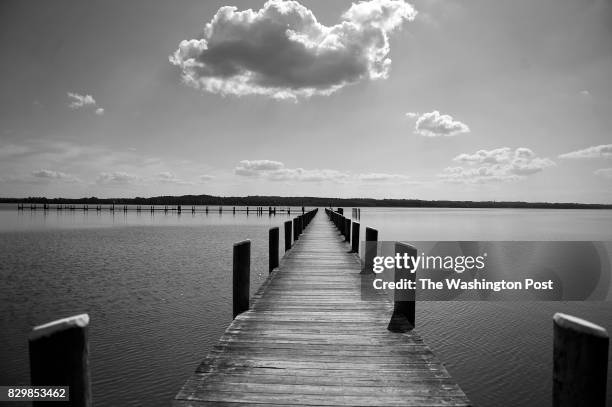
[
  {"x": 241, "y": 276},
  {"x": 273, "y": 236},
  {"x": 404, "y": 304},
  {"x": 296, "y": 232},
  {"x": 59, "y": 356},
  {"x": 301, "y": 217},
  {"x": 287, "y": 235},
  {"x": 371, "y": 247},
  {"x": 347, "y": 229},
  {"x": 355, "y": 240},
  {"x": 580, "y": 362}
]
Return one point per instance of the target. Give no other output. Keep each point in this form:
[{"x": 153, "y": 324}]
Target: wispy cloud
[
  {"x": 434, "y": 124},
  {"x": 604, "y": 172},
  {"x": 116, "y": 178},
  {"x": 601, "y": 151},
  {"x": 78, "y": 101},
  {"x": 382, "y": 177},
  {"x": 54, "y": 175},
  {"x": 497, "y": 165},
  {"x": 277, "y": 171},
  {"x": 283, "y": 52}
]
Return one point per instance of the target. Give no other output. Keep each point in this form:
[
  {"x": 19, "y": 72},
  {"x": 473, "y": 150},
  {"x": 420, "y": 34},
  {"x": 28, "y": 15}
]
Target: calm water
[
  {"x": 158, "y": 290},
  {"x": 499, "y": 352}
]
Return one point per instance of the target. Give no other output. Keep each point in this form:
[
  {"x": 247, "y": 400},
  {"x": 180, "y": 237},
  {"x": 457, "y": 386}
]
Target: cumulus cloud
[
  {"x": 434, "y": 124},
  {"x": 116, "y": 178},
  {"x": 601, "y": 151},
  {"x": 283, "y": 52},
  {"x": 500, "y": 164},
  {"x": 604, "y": 172},
  {"x": 78, "y": 101}
]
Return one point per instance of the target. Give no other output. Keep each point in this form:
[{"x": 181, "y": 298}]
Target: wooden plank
[{"x": 310, "y": 339}]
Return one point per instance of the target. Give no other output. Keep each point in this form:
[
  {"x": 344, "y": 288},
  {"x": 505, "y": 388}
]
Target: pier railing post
[
  {"x": 403, "y": 318},
  {"x": 273, "y": 248},
  {"x": 580, "y": 362},
  {"x": 288, "y": 235},
  {"x": 241, "y": 276},
  {"x": 59, "y": 356},
  {"x": 347, "y": 229},
  {"x": 301, "y": 217},
  {"x": 296, "y": 232},
  {"x": 355, "y": 238},
  {"x": 371, "y": 247}
]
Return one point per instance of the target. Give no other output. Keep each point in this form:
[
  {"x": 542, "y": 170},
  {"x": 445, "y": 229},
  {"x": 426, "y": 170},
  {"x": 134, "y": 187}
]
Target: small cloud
[
  {"x": 604, "y": 172},
  {"x": 276, "y": 171},
  {"x": 54, "y": 175},
  {"x": 250, "y": 168},
  {"x": 116, "y": 178},
  {"x": 170, "y": 178},
  {"x": 585, "y": 93},
  {"x": 282, "y": 51},
  {"x": 206, "y": 178},
  {"x": 497, "y": 165},
  {"x": 78, "y": 101},
  {"x": 413, "y": 115},
  {"x": 434, "y": 124},
  {"x": 601, "y": 151}
]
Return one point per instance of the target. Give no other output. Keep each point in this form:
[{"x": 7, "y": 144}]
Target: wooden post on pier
[
  {"x": 580, "y": 362},
  {"x": 403, "y": 318},
  {"x": 347, "y": 229},
  {"x": 273, "y": 248},
  {"x": 371, "y": 247},
  {"x": 178, "y": 209},
  {"x": 301, "y": 223},
  {"x": 287, "y": 235},
  {"x": 355, "y": 238},
  {"x": 296, "y": 233},
  {"x": 59, "y": 357},
  {"x": 241, "y": 276}
]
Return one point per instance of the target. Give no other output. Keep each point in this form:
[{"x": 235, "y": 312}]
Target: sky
[{"x": 431, "y": 99}]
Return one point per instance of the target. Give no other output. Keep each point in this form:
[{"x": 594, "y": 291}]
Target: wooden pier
[{"x": 309, "y": 338}]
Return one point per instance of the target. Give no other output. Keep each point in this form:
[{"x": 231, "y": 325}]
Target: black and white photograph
[{"x": 305, "y": 203}]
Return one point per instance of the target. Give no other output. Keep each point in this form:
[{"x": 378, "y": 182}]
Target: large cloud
[
  {"x": 500, "y": 164},
  {"x": 282, "y": 51},
  {"x": 601, "y": 151},
  {"x": 434, "y": 124}
]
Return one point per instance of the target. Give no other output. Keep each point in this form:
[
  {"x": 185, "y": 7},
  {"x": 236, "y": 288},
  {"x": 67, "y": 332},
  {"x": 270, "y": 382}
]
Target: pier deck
[{"x": 309, "y": 339}]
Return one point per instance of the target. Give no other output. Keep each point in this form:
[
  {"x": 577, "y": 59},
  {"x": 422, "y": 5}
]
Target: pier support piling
[
  {"x": 371, "y": 247},
  {"x": 580, "y": 362},
  {"x": 273, "y": 237},
  {"x": 241, "y": 276},
  {"x": 287, "y": 235},
  {"x": 59, "y": 356}
]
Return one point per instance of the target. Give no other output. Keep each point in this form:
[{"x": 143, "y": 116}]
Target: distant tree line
[{"x": 303, "y": 201}]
